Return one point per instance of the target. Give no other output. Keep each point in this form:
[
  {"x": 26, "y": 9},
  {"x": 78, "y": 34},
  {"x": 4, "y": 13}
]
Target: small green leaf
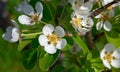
[
  {"x": 47, "y": 61},
  {"x": 25, "y": 42},
  {"x": 29, "y": 58},
  {"x": 80, "y": 43}
]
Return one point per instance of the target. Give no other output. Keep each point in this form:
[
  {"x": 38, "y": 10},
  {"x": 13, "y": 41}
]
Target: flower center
[
  {"x": 77, "y": 22},
  {"x": 53, "y": 38},
  {"x": 108, "y": 56},
  {"x": 35, "y": 17}
]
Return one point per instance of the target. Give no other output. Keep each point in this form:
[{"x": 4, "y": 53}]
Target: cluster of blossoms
[
  {"x": 51, "y": 38},
  {"x": 81, "y": 20}
]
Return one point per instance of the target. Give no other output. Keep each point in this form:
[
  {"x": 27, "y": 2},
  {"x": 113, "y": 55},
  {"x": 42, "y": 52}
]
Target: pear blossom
[
  {"x": 103, "y": 22},
  {"x": 80, "y": 7},
  {"x": 82, "y": 24},
  {"x": 110, "y": 56},
  {"x": 52, "y": 39},
  {"x": 30, "y": 16},
  {"x": 12, "y": 33}
]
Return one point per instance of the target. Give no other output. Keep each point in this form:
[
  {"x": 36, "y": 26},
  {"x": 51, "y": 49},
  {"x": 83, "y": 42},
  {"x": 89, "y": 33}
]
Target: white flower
[
  {"x": 52, "y": 39},
  {"x": 81, "y": 23},
  {"x": 31, "y": 16},
  {"x": 110, "y": 56},
  {"x": 103, "y": 23},
  {"x": 12, "y": 33},
  {"x": 80, "y": 7}
]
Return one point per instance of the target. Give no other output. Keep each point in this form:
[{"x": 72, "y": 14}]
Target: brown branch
[{"x": 98, "y": 11}]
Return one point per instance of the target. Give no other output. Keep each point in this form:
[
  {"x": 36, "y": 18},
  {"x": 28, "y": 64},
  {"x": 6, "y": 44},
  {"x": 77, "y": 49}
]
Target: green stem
[
  {"x": 31, "y": 34},
  {"x": 43, "y": 22}
]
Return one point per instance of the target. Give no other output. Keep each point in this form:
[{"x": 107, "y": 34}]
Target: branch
[{"x": 98, "y": 11}]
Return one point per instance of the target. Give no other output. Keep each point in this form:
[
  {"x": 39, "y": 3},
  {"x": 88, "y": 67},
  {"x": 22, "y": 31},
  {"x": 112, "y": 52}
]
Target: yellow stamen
[
  {"x": 34, "y": 18},
  {"x": 77, "y": 22},
  {"x": 108, "y": 56},
  {"x": 53, "y": 38}
]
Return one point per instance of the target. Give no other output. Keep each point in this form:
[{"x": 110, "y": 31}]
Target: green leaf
[
  {"x": 47, "y": 61},
  {"x": 25, "y": 42},
  {"x": 29, "y": 58},
  {"x": 113, "y": 40},
  {"x": 80, "y": 43}
]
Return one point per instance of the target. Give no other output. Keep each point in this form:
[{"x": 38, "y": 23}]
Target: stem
[
  {"x": 31, "y": 34},
  {"x": 91, "y": 43},
  {"x": 43, "y": 22},
  {"x": 98, "y": 11}
]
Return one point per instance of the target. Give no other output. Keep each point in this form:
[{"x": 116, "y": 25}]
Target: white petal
[
  {"x": 87, "y": 6},
  {"x": 15, "y": 24},
  {"x": 25, "y": 20},
  {"x": 107, "y": 26},
  {"x": 39, "y": 7},
  {"x": 24, "y": 7},
  {"x": 106, "y": 64},
  {"x": 107, "y": 48},
  {"x": 27, "y": 9},
  {"x": 43, "y": 40},
  {"x": 83, "y": 31},
  {"x": 115, "y": 63},
  {"x": 15, "y": 35},
  {"x": 7, "y": 36},
  {"x": 87, "y": 22},
  {"x": 98, "y": 16},
  {"x": 116, "y": 53},
  {"x": 48, "y": 29},
  {"x": 99, "y": 25},
  {"x": 61, "y": 44},
  {"x": 50, "y": 49},
  {"x": 59, "y": 31},
  {"x": 40, "y": 16}
]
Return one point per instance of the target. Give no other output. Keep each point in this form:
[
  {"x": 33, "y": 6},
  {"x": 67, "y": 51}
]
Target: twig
[{"x": 98, "y": 11}]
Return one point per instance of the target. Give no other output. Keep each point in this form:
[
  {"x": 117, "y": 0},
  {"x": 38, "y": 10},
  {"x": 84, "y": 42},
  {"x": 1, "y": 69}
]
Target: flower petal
[
  {"x": 61, "y": 44},
  {"x": 7, "y": 36},
  {"x": 24, "y": 7},
  {"x": 87, "y": 22},
  {"x": 14, "y": 23},
  {"x": 83, "y": 31},
  {"x": 50, "y": 48},
  {"x": 15, "y": 35},
  {"x": 99, "y": 25},
  {"x": 25, "y": 20},
  {"x": 43, "y": 40},
  {"x": 115, "y": 63},
  {"x": 106, "y": 64},
  {"x": 59, "y": 31},
  {"x": 116, "y": 53},
  {"x": 48, "y": 29},
  {"x": 107, "y": 26},
  {"x": 39, "y": 7}
]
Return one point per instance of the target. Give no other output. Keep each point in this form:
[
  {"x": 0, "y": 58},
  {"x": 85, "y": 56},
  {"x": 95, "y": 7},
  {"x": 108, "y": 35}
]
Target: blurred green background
[{"x": 10, "y": 57}]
